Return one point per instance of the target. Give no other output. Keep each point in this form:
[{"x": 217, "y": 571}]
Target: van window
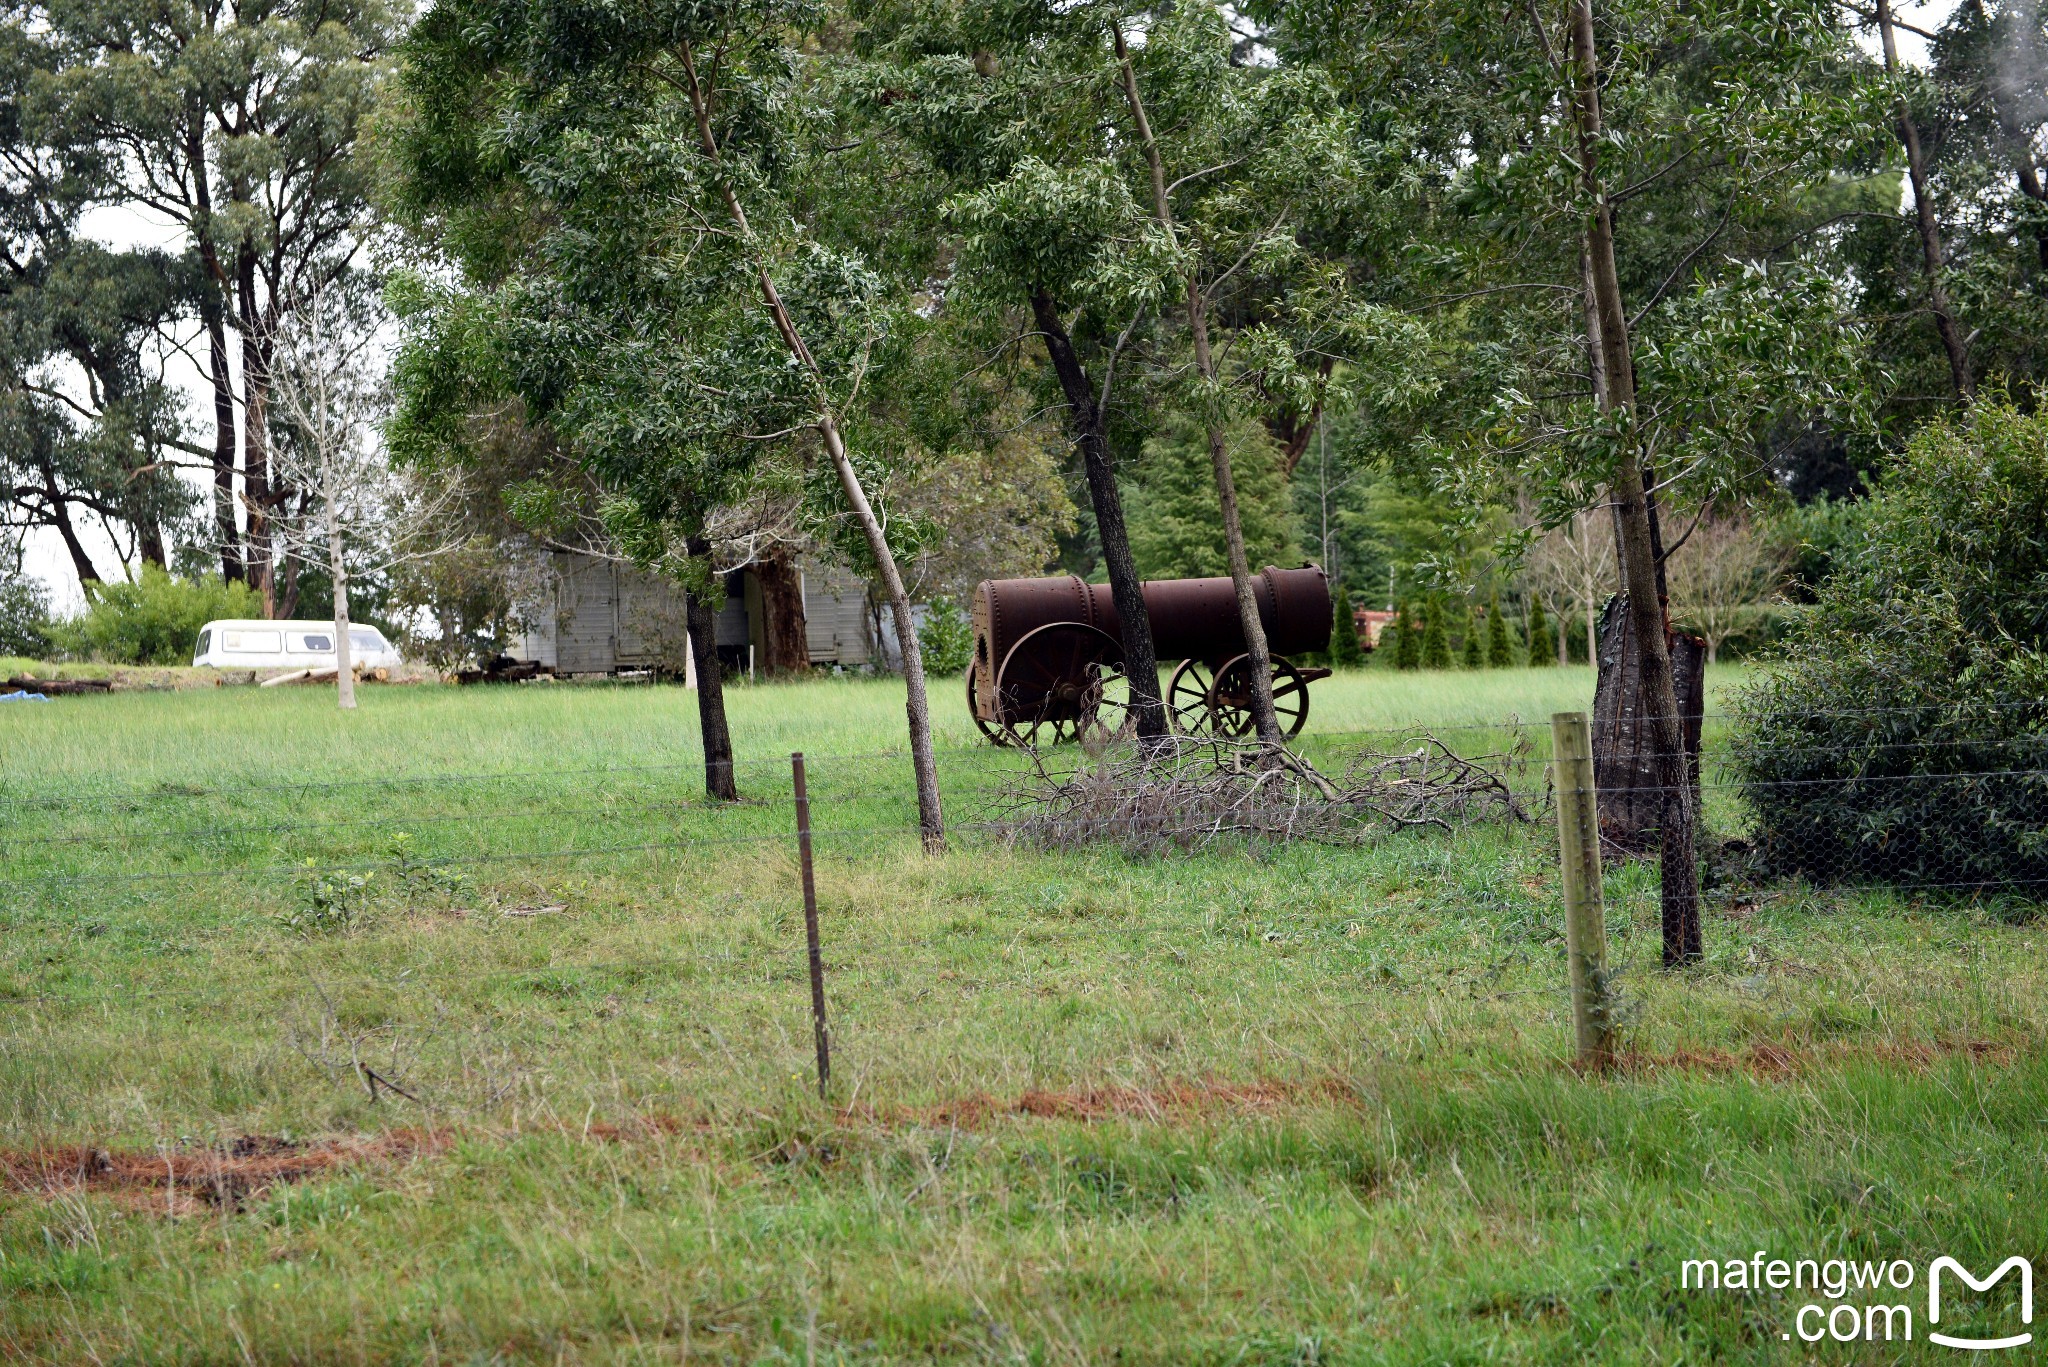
[
  {"x": 364, "y": 639},
  {"x": 205, "y": 642},
  {"x": 316, "y": 644},
  {"x": 250, "y": 642}
]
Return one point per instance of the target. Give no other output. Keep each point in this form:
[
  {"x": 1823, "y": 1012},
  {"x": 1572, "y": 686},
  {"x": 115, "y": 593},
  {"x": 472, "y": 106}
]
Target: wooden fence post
[
  {"x": 803, "y": 849},
  {"x": 1585, "y": 924}
]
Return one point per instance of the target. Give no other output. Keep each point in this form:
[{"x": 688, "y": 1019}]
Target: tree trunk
[
  {"x": 1258, "y": 661},
  {"x": 782, "y": 613},
  {"x": 344, "y": 649},
  {"x": 213, "y": 302},
  {"x": 1141, "y": 663},
  {"x": 1930, "y": 228},
  {"x": 702, "y": 620},
  {"x": 1626, "y": 769},
  {"x": 931, "y": 819},
  {"x": 1632, "y": 513},
  {"x": 60, "y": 517},
  {"x": 261, "y": 556}
]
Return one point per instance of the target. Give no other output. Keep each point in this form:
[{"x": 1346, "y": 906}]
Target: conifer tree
[
  {"x": 1500, "y": 648},
  {"x": 1345, "y": 651},
  {"x": 1542, "y": 637},
  {"x": 1436, "y": 642}
]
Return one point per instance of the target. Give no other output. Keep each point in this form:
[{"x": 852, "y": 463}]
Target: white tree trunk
[{"x": 344, "y": 665}]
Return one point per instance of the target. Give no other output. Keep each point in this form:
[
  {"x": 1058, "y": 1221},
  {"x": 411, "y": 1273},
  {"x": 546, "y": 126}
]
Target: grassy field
[{"x": 460, "y": 1030}]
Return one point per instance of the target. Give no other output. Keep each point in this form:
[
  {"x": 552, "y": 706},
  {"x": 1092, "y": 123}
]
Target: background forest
[{"x": 1822, "y": 246}]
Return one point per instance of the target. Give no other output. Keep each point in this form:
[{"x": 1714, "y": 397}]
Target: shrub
[
  {"x": 1474, "y": 649},
  {"x": 24, "y": 616},
  {"x": 1901, "y": 734},
  {"x": 155, "y": 620},
  {"x": 946, "y": 638}
]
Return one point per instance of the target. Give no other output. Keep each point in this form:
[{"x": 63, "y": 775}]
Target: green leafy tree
[
  {"x": 649, "y": 269},
  {"x": 1472, "y": 650},
  {"x": 242, "y": 126},
  {"x": 1542, "y": 636}
]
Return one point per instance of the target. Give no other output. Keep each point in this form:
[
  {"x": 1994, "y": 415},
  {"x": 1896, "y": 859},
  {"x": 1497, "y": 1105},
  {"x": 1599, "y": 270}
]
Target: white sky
[{"x": 44, "y": 554}]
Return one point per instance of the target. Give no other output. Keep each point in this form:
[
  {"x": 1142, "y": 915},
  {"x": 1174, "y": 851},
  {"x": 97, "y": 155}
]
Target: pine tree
[
  {"x": 1500, "y": 647},
  {"x": 1436, "y": 643},
  {"x": 1542, "y": 639},
  {"x": 1474, "y": 656},
  {"x": 1407, "y": 642},
  {"x": 1345, "y": 651}
]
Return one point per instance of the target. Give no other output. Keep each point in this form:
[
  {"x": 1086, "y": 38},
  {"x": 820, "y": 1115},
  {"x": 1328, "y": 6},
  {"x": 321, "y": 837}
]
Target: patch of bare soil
[
  {"x": 177, "y": 1182},
  {"x": 1773, "y": 1061}
]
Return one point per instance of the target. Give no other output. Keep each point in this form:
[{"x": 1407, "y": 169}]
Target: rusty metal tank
[{"x": 1192, "y": 619}]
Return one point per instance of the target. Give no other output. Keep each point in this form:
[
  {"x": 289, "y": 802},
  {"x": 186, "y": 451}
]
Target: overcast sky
[{"x": 45, "y": 557}]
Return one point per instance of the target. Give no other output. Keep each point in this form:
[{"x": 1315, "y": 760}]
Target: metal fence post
[
  {"x": 1585, "y": 925},
  {"x": 803, "y": 847}
]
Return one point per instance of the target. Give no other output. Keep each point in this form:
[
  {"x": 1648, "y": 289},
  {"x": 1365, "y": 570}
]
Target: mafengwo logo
[
  {"x": 1856, "y": 1315},
  {"x": 2012, "y": 1264}
]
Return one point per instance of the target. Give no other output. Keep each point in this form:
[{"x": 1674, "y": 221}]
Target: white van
[{"x": 259, "y": 644}]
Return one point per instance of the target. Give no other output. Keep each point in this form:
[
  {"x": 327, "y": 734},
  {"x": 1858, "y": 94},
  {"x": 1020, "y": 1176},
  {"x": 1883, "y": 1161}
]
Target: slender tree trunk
[
  {"x": 702, "y": 620},
  {"x": 344, "y": 649},
  {"x": 261, "y": 555},
  {"x": 1681, "y": 915},
  {"x": 1945, "y": 324},
  {"x": 931, "y": 818},
  {"x": 213, "y": 303},
  {"x": 782, "y": 612},
  {"x": 1141, "y": 663},
  {"x": 1258, "y": 660}
]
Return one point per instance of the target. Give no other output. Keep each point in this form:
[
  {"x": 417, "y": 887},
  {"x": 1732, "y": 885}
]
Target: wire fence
[{"x": 1948, "y": 816}]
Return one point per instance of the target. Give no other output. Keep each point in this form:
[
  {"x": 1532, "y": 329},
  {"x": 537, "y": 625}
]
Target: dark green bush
[
  {"x": 1903, "y": 732},
  {"x": 1345, "y": 650},
  {"x": 24, "y": 616},
  {"x": 154, "y": 620}
]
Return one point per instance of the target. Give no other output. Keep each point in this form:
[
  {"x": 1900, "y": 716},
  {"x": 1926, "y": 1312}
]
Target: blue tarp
[{"x": 22, "y": 697}]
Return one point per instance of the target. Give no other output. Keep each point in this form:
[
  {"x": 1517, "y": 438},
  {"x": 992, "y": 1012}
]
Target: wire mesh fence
[{"x": 1946, "y": 816}]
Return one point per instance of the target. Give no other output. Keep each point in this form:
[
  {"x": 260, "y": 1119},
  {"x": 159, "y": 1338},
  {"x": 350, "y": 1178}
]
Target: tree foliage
[{"x": 1900, "y": 735}]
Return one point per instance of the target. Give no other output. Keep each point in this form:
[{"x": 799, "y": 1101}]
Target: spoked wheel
[
  {"x": 996, "y": 735},
  {"x": 1227, "y": 709},
  {"x": 1187, "y": 699},
  {"x": 1062, "y": 682}
]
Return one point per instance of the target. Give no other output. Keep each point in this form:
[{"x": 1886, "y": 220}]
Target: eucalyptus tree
[
  {"x": 1621, "y": 212},
  {"x": 998, "y": 107},
  {"x": 624, "y": 192},
  {"x": 240, "y": 125},
  {"x": 1166, "y": 258},
  {"x": 90, "y": 424},
  {"x": 1955, "y": 284}
]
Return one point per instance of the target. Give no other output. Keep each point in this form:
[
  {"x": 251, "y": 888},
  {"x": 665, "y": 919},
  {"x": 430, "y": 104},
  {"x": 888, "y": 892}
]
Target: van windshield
[
  {"x": 205, "y": 642},
  {"x": 362, "y": 638}
]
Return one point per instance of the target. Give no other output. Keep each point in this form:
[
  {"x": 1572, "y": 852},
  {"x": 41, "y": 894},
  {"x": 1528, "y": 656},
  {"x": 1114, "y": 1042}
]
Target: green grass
[{"x": 1294, "y": 1105}]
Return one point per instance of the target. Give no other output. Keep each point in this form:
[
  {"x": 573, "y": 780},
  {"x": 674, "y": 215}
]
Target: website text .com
[{"x": 1858, "y": 1304}]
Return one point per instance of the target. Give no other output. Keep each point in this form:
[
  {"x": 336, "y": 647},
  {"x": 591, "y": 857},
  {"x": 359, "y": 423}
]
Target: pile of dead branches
[{"x": 1186, "y": 793}]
